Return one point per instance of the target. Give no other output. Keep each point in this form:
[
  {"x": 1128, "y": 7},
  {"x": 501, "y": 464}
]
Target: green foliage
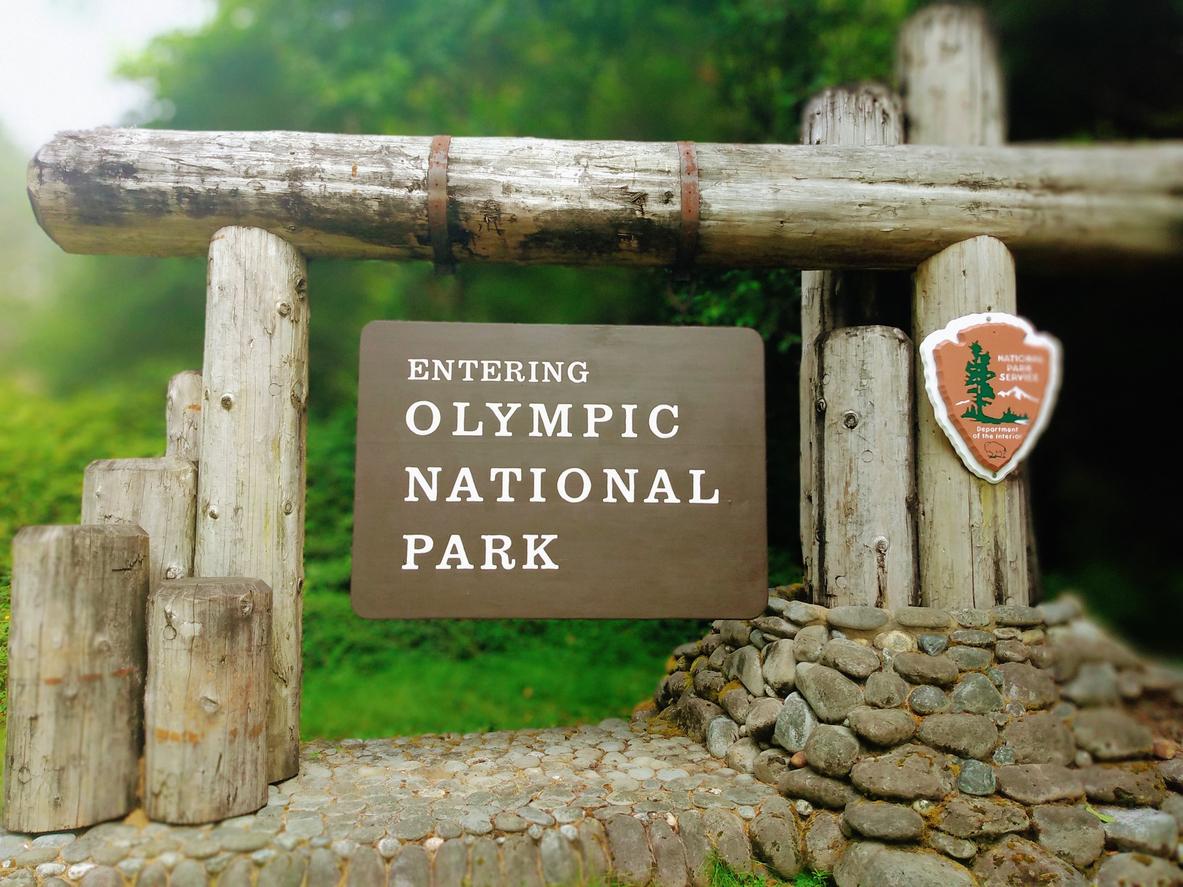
[{"x": 722, "y": 875}]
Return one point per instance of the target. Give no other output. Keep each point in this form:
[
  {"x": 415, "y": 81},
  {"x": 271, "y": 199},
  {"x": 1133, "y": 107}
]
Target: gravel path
[{"x": 527, "y": 807}]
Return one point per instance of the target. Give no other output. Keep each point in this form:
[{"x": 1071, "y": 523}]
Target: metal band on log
[
  {"x": 250, "y": 519},
  {"x": 158, "y": 192},
  {"x": 865, "y": 115},
  {"x": 75, "y": 676},
  {"x": 205, "y": 703}
]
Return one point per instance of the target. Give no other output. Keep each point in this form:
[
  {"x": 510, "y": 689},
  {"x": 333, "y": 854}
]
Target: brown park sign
[
  {"x": 545, "y": 471},
  {"x": 992, "y": 381}
]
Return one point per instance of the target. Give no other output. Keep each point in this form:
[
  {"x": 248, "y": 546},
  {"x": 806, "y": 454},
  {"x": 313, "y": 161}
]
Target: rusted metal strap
[
  {"x": 437, "y": 204},
  {"x": 691, "y": 203}
]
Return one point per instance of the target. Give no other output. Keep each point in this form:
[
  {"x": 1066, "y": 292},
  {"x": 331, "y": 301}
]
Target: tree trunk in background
[{"x": 973, "y": 534}]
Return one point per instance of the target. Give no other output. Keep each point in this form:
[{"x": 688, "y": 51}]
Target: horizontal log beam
[{"x": 164, "y": 193}]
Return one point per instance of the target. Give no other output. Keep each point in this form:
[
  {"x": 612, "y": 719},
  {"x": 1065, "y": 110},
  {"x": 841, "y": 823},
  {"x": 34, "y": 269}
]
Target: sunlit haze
[{"x": 57, "y": 59}]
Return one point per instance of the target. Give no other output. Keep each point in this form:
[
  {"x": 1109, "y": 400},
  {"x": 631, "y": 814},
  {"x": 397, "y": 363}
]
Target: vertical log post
[
  {"x": 75, "y": 676},
  {"x": 864, "y": 115},
  {"x": 867, "y": 484},
  {"x": 158, "y": 495},
  {"x": 182, "y": 416},
  {"x": 250, "y": 518},
  {"x": 205, "y": 706},
  {"x": 974, "y": 536}
]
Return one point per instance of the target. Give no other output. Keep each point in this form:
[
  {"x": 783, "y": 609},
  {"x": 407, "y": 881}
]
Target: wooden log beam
[
  {"x": 75, "y": 676},
  {"x": 250, "y": 518},
  {"x": 864, "y": 115},
  {"x": 158, "y": 192},
  {"x": 205, "y": 704}
]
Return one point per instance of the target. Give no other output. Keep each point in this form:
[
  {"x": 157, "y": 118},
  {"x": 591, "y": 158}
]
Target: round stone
[
  {"x": 976, "y": 778},
  {"x": 926, "y": 700},
  {"x": 887, "y": 822},
  {"x": 831, "y": 750}
]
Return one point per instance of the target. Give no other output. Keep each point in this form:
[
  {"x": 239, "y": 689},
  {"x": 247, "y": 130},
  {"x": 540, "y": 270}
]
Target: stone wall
[{"x": 930, "y": 746}]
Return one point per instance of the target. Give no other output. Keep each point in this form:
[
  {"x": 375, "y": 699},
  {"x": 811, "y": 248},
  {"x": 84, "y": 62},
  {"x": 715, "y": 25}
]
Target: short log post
[
  {"x": 974, "y": 536},
  {"x": 159, "y": 495},
  {"x": 205, "y": 706},
  {"x": 250, "y": 518},
  {"x": 75, "y": 676},
  {"x": 868, "y": 489},
  {"x": 182, "y": 416},
  {"x": 865, "y": 115}
]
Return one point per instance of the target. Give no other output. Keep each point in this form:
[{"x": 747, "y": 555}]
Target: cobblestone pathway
[{"x": 528, "y": 807}]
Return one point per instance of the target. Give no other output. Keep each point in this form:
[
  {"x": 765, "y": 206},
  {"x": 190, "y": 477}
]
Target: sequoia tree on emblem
[{"x": 992, "y": 381}]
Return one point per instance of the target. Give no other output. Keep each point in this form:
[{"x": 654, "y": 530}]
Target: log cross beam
[{"x": 165, "y": 193}]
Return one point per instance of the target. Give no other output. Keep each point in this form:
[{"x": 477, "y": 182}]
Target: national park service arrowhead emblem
[{"x": 992, "y": 380}]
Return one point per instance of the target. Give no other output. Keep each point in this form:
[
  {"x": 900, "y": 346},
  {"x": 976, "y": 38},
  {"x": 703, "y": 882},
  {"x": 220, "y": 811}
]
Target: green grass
[{"x": 722, "y": 875}]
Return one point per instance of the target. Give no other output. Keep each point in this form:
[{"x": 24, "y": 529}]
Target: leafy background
[{"x": 86, "y": 343}]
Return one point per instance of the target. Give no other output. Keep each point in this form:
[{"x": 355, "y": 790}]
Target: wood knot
[{"x": 850, "y": 419}]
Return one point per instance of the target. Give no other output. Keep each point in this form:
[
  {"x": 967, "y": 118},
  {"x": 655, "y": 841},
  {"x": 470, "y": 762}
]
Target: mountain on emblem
[{"x": 992, "y": 381}]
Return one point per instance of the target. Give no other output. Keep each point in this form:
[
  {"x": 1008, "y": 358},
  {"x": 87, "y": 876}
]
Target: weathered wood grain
[
  {"x": 974, "y": 537},
  {"x": 951, "y": 78},
  {"x": 182, "y": 416},
  {"x": 158, "y": 495},
  {"x": 75, "y": 675},
  {"x": 863, "y": 115},
  {"x": 159, "y": 192},
  {"x": 205, "y": 705},
  {"x": 973, "y": 534},
  {"x": 250, "y": 519},
  {"x": 868, "y": 493}
]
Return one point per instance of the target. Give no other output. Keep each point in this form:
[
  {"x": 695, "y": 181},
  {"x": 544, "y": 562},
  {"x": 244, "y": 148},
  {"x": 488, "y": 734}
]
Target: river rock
[
  {"x": 794, "y": 723},
  {"x": 829, "y": 693},
  {"x": 744, "y": 665},
  {"x": 1039, "y": 783},
  {"x": 885, "y": 689},
  {"x": 976, "y": 694},
  {"x": 741, "y": 757},
  {"x": 1017, "y": 861},
  {"x": 1129, "y": 786},
  {"x": 780, "y": 666},
  {"x": 1072, "y": 833},
  {"x": 770, "y": 765},
  {"x": 882, "y": 726},
  {"x": 816, "y": 788},
  {"x": 868, "y": 864},
  {"x": 965, "y": 735},
  {"x": 884, "y": 821},
  {"x": 1141, "y": 830},
  {"x": 831, "y": 750},
  {"x": 978, "y": 818},
  {"x": 927, "y": 700},
  {"x": 1033, "y": 687},
  {"x": 922, "y": 617},
  {"x": 809, "y": 643},
  {"x": 905, "y": 774},
  {"x": 721, "y": 733},
  {"x": 1110, "y": 735},
  {"x": 920, "y": 668},
  {"x": 1040, "y": 738},
  {"x": 774, "y": 842},
  {"x": 1138, "y": 870},
  {"x": 761, "y": 718},
  {"x": 976, "y": 778},
  {"x": 850, "y": 658},
  {"x": 970, "y": 658},
  {"x": 1095, "y": 684},
  {"x": 857, "y": 618}
]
